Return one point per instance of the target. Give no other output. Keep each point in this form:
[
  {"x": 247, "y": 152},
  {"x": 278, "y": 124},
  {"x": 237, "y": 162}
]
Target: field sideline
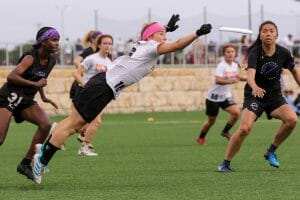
[{"x": 155, "y": 160}]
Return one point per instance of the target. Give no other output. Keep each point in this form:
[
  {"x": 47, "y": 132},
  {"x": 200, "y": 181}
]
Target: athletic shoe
[
  {"x": 63, "y": 147},
  {"x": 226, "y": 135},
  {"x": 201, "y": 141},
  {"x": 272, "y": 159},
  {"x": 25, "y": 170},
  {"x": 85, "y": 150},
  {"x": 38, "y": 169},
  {"x": 39, "y": 150},
  {"x": 225, "y": 168},
  {"x": 80, "y": 139}
]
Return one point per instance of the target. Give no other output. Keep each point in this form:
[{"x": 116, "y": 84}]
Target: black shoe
[{"x": 26, "y": 170}]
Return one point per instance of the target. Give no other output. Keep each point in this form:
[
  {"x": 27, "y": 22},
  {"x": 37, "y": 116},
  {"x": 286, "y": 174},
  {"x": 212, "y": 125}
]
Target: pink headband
[{"x": 154, "y": 28}]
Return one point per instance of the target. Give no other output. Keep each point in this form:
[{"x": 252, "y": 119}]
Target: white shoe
[
  {"x": 85, "y": 150},
  {"x": 80, "y": 139},
  {"x": 39, "y": 150},
  {"x": 63, "y": 147},
  {"x": 38, "y": 169}
]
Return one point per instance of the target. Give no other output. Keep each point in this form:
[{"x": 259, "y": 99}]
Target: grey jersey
[
  {"x": 129, "y": 69},
  {"x": 92, "y": 63}
]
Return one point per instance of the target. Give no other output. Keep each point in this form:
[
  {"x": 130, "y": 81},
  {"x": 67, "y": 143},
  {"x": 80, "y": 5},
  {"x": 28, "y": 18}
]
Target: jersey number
[
  {"x": 14, "y": 100},
  {"x": 133, "y": 49},
  {"x": 119, "y": 86}
]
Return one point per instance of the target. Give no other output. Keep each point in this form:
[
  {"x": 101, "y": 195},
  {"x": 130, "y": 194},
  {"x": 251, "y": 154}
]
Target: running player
[
  {"x": 89, "y": 40},
  {"x": 23, "y": 82},
  {"x": 91, "y": 65},
  {"x": 219, "y": 95},
  {"x": 262, "y": 93}
]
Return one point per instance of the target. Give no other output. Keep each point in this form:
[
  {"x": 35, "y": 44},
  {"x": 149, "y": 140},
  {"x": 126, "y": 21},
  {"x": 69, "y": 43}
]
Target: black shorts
[
  {"x": 15, "y": 105},
  {"x": 258, "y": 107},
  {"x": 93, "y": 97},
  {"x": 73, "y": 89},
  {"x": 212, "y": 108}
]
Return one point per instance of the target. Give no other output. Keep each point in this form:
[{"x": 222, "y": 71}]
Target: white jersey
[
  {"x": 219, "y": 93},
  {"x": 129, "y": 69},
  {"x": 92, "y": 63}
]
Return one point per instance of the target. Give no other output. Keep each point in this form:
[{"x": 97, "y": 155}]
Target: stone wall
[{"x": 165, "y": 89}]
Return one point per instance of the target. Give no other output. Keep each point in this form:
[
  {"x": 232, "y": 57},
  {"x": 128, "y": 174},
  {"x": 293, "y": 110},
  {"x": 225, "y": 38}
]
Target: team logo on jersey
[
  {"x": 270, "y": 70},
  {"x": 254, "y": 106},
  {"x": 41, "y": 74}
]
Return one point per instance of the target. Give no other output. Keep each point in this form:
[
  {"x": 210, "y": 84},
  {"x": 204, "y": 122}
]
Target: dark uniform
[
  {"x": 267, "y": 76},
  {"x": 17, "y": 97},
  {"x": 75, "y": 86},
  {"x": 93, "y": 98}
]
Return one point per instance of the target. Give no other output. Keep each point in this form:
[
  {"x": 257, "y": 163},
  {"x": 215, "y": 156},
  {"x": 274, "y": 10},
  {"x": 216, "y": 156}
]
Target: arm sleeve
[
  {"x": 252, "y": 59},
  {"x": 86, "y": 63},
  {"x": 289, "y": 61},
  {"x": 220, "y": 70}
]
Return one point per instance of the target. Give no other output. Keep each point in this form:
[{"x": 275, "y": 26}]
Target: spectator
[{"x": 288, "y": 42}]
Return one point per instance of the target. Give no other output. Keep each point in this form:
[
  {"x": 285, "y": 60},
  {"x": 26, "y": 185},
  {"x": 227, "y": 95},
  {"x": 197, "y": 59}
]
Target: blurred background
[{"x": 20, "y": 20}]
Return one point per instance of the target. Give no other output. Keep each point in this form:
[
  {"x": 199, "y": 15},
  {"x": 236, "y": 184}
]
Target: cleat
[
  {"x": 80, "y": 138},
  {"x": 226, "y": 135},
  {"x": 201, "y": 141},
  {"x": 272, "y": 159},
  {"x": 85, "y": 150},
  {"x": 38, "y": 169},
  {"x": 63, "y": 147},
  {"x": 39, "y": 150},
  {"x": 225, "y": 168},
  {"x": 25, "y": 170}
]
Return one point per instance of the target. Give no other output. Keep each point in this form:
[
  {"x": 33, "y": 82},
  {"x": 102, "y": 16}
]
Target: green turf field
[{"x": 156, "y": 160}]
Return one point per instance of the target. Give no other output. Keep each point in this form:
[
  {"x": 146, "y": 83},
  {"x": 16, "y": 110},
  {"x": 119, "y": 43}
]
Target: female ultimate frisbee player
[
  {"x": 104, "y": 87},
  {"x": 219, "y": 95},
  {"x": 262, "y": 93},
  {"x": 23, "y": 82}
]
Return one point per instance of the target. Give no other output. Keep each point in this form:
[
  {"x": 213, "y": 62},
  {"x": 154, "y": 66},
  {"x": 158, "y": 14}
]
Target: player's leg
[
  {"x": 212, "y": 110},
  {"x": 36, "y": 115},
  {"x": 234, "y": 111},
  {"x": 247, "y": 120},
  {"x": 289, "y": 120},
  {"x": 5, "y": 117},
  {"x": 86, "y": 146}
]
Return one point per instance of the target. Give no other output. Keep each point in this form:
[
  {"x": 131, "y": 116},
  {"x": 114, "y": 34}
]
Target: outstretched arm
[{"x": 183, "y": 42}]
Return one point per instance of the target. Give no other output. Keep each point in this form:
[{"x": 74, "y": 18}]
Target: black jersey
[
  {"x": 86, "y": 52},
  {"x": 34, "y": 73},
  {"x": 268, "y": 69}
]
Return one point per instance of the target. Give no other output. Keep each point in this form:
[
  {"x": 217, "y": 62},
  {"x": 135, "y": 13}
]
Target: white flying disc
[{"x": 235, "y": 30}]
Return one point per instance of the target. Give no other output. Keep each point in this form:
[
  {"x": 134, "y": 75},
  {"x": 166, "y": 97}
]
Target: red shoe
[{"x": 201, "y": 140}]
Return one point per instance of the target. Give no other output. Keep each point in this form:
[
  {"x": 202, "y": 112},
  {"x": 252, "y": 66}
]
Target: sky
[{"x": 20, "y": 19}]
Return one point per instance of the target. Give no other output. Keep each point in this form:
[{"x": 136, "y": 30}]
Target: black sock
[
  {"x": 26, "y": 161},
  {"x": 226, "y": 162},
  {"x": 48, "y": 152},
  {"x": 227, "y": 128},
  {"x": 272, "y": 148},
  {"x": 202, "y": 134}
]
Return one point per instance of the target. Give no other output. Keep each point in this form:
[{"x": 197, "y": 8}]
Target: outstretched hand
[
  {"x": 204, "y": 29},
  {"x": 171, "y": 26}
]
